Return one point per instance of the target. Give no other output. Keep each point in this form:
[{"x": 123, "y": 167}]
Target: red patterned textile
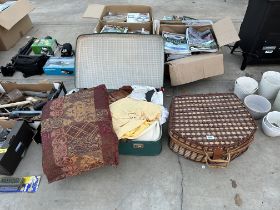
[{"x": 77, "y": 134}]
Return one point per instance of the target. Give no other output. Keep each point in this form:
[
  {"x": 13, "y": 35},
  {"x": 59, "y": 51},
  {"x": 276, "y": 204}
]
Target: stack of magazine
[
  {"x": 142, "y": 31},
  {"x": 115, "y": 17},
  {"x": 176, "y": 18},
  {"x": 138, "y": 17},
  {"x": 201, "y": 41},
  {"x": 194, "y": 22},
  {"x": 114, "y": 29},
  {"x": 6, "y": 5},
  {"x": 123, "y": 30},
  {"x": 189, "y": 21},
  {"x": 175, "y": 45},
  {"x": 127, "y": 17}
]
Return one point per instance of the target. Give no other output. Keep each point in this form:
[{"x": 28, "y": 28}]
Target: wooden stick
[{"x": 29, "y": 100}]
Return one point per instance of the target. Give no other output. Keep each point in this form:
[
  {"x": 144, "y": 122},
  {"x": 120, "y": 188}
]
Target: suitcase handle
[{"x": 217, "y": 163}]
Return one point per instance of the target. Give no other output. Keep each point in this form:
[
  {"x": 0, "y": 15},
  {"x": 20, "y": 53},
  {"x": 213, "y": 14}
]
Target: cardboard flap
[
  {"x": 194, "y": 68},
  {"x": 10, "y": 16},
  {"x": 24, "y": 87},
  {"x": 94, "y": 11},
  {"x": 225, "y": 32},
  {"x": 7, "y": 123}
]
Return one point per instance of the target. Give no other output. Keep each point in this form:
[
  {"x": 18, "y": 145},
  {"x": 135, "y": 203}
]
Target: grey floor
[{"x": 164, "y": 182}]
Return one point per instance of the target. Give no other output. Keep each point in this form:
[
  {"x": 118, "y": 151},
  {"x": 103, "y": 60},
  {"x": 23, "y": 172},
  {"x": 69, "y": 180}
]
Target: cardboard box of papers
[
  {"x": 203, "y": 65},
  {"x": 136, "y": 18},
  {"x": 14, "y": 22}
]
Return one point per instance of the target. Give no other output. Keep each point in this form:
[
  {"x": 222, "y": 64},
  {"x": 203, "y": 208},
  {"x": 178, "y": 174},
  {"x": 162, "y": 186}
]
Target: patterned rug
[{"x": 77, "y": 134}]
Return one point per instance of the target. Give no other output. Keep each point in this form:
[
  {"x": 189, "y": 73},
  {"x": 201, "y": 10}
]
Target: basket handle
[{"x": 217, "y": 163}]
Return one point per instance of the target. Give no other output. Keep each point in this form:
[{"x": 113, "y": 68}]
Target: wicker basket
[{"x": 213, "y": 128}]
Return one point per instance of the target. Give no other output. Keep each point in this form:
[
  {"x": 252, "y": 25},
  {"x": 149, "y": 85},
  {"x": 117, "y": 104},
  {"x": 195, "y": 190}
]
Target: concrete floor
[{"x": 164, "y": 182}]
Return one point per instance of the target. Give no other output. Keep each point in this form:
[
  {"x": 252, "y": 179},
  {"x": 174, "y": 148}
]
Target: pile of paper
[{"x": 175, "y": 45}]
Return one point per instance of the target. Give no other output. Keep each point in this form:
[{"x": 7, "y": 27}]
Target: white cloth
[
  {"x": 152, "y": 133},
  {"x": 164, "y": 115},
  {"x": 139, "y": 93}
]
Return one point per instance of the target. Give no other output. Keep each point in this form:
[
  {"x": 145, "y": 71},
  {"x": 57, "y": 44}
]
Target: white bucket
[
  {"x": 276, "y": 104},
  {"x": 245, "y": 86},
  {"x": 258, "y": 106},
  {"x": 270, "y": 84},
  {"x": 271, "y": 124}
]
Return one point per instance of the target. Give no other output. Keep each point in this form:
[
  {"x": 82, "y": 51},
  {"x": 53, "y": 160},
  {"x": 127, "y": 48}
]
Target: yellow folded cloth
[{"x": 131, "y": 117}]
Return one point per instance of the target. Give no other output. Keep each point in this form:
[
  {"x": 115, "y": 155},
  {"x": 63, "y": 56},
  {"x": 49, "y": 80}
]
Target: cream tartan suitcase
[
  {"x": 119, "y": 59},
  {"x": 122, "y": 59}
]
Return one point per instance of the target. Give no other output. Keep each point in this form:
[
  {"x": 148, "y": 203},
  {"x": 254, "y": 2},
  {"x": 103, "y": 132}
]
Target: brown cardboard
[
  {"x": 98, "y": 11},
  {"x": 9, "y": 38},
  {"x": 197, "y": 67},
  {"x": 200, "y": 66},
  {"x": 43, "y": 87},
  {"x": 14, "y": 23},
  {"x": 7, "y": 123},
  {"x": 94, "y": 11},
  {"x": 225, "y": 32}
]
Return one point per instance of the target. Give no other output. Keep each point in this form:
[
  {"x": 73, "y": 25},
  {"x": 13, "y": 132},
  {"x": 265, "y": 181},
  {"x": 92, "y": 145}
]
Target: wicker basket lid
[{"x": 211, "y": 120}]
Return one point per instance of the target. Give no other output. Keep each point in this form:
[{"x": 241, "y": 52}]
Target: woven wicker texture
[
  {"x": 119, "y": 59},
  {"x": 210, "y": 127}
]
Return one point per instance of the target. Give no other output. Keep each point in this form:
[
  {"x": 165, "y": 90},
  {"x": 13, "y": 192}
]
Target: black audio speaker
[{"x": 260, "y": 33}]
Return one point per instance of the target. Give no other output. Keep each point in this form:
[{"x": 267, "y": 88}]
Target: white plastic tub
[
  {"x": 271, "y": 124},
  {"x": 245, "y": 86},
  {"x": 270, "y": 84},
  {"x": 258, "y": 106},
  {"x": 276, "y": 104}
]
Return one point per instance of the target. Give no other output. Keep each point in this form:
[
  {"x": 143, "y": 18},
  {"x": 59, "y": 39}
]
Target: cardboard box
[
  {"x": 60, "y": 66},
  {"x": 204, "y": 65},
  {"x": 98, "y": 11},
  {"x": 14, "y": 23},
  {"x": 55, "y": 90},
  {"x": 38, "y": 44}
]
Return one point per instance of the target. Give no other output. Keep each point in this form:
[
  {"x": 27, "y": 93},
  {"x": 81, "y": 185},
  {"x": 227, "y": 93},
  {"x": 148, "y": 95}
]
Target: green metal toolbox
[{"x": 140, "y": 146}]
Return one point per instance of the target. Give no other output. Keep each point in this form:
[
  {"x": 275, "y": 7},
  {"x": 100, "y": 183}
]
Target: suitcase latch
[{"x": 138, "y": 146}]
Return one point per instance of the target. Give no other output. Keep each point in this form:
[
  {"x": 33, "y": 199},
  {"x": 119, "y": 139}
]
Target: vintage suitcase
[
  {"x": 117, "y": 60},
  {"x": 213, "y": 128}
]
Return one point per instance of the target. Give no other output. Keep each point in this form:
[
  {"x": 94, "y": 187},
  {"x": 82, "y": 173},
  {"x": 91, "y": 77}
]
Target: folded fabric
[
  {"x": 152, "y": 133},
  {"x": 77, "y": 134},
  {"x": 131, "y": 117},
  {"x": 122, "y": 92}
]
